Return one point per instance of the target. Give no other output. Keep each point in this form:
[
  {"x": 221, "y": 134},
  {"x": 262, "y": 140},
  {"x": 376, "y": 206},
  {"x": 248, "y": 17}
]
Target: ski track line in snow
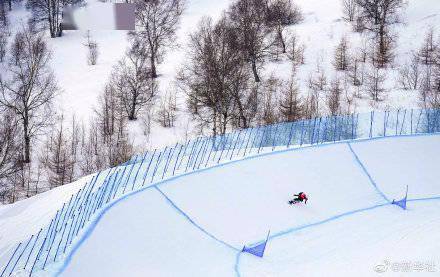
[
  {"x": 333, "y": 218},
  {"x": 237, "y": 264},
  {"x": 192, "y": 221},
  {"x": 100, "y": 214},
  {"x": 364, "y": 169}
]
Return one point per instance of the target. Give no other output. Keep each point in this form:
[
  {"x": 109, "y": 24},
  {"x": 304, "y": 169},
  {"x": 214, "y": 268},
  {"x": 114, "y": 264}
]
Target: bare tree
[
  {"x": 379, "y": 16},
  {"x": 295, "y": 50},
  {"x": 333, "y": 97},
  {"x": 291, "y": 108},
  {"x": 50, "y": 13},
  {"x": 429, "y": 48},
  {"x": 3, "y": 15},
  {"x": 3, "y": 45},
  {"x": 132, "y": 81},
  {"x": 166, "y": 115},
  {"x": 409, "y": 73},
  {"x": 157, "y": 22},
  {"x": 249, "y": 20},
  {"x": 214, "y": 78},
  {"x": 92, "y": 48},
  {"x": 10, "y": 152},
  {"x": 271, "y": 90},
  {"x": 374, "y": 84},
  {"x": 318, "y": 79},
  {"x": 311, "y": 104},
  {"x": 356, "y": 72},
  {"x": 434, "y": 95},
  {"x": 349, "y": 8},
  {"x": 341, "y": 57},
  {"x": 59, "y": 162},
  {"x": 30, "y": 88},
  {"x": 280, "y": 14}
]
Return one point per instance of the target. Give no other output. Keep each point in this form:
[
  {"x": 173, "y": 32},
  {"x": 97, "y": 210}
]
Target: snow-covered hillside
[
  {"x": 197, "y": 225},
  {"x": 82, "y": 84},
  {"x": 320, "y": 32}
]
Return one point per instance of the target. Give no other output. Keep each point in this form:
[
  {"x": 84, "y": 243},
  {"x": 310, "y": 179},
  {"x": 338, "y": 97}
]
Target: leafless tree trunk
[
  {"x": 59, "y": 162},
  {"x": 295, "y": 50},
  {"x": 429, "y": 48},
  {"x": 379, "y": 16},
  {"x": 30, "y": 88},
  {"x": 409, "y": 73},
  {"x": 280, "y": 14},
  {"x": 349, "y": 9},
  {"x": 157, "y": 21},
  {"x": 166, "y": 115},
  {"x": 374, "y": 84},
  {"x": 10, "y": 152},
  {"x": 341, "y": 58},
  {"x": 214, "y": 77},
  {"x": 92, "y": 48},
  {"x": 271, "y": 90},
  {"x": 3, "y": 45},
  {"x": 133, "y": 83},
  {"x": 291, "y": 106},
  {"x": 333, "y": 97},
  {"x": 249, "y": 20}
]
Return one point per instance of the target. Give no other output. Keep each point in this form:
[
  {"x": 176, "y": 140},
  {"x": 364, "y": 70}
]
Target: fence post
[
  {"x": 235, "y": 144},
  {"x": 191, "y": 153},
  {"x": 290, "y": 133},
  {"x": 397, "y": 121},
  {"x": 403, "y": 122},
  {"x": 312, "y": 136},
  {"x": 319, "y": 130},
  {"x": 157, "y": 164},
  {"x": 19, "y": 257},
  {"x": 225, "y": 139},
  {"x": 302, "y": 133},
  {"x": 262, "y": 137},
  {"x": 206, "y": 145},
  {"x": 18, "y": 246},
  {"x": 231, "y": 143},
  {"x": 202, "y": 146},
  {"x": 148, "y": 168},
  {"x": 324, "y": 139},
  {"x": 137, "y": 172},
  {"x": 59, "y": 243},
  {"x": 170, "y": 154},
  {"x": 247, "y": 130},
  {"x": 275, "y": 136},
  {"x": 129, "y": 175},
  {"x": 32, "y": 249},
  {"x": 253, "y": 139},
  {"x": 177, "y": 159},
  {"x": 352, "y": 126},
  {"x": 212, "y": 143},
  {"x": 183, "y": 154}
]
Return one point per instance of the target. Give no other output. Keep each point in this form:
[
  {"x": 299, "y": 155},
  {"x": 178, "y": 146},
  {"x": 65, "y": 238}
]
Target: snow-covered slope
[
  {"x": 82, "y": 84},
  {"x": 196, "y": 225}
]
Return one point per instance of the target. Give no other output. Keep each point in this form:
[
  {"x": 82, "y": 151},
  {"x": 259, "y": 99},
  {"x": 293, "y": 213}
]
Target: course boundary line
[{"x": 364, "y": 169}]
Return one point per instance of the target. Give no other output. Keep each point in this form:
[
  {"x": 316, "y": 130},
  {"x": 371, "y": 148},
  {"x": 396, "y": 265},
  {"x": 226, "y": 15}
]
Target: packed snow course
[
  {"x": 196, "y": 225},
  {"x": 190, "y": 212}
]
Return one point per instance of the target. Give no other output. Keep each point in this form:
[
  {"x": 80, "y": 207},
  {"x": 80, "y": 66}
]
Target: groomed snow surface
[{"x": 196, "y": 225}]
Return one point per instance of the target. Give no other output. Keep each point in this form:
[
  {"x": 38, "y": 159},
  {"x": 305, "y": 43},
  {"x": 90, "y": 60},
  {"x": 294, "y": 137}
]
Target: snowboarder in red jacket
[{"x": 300, "y": 197}]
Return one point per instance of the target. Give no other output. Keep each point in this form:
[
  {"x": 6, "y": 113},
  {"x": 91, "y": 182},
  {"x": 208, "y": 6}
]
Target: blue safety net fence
[{"x": 51, "y": 243}]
